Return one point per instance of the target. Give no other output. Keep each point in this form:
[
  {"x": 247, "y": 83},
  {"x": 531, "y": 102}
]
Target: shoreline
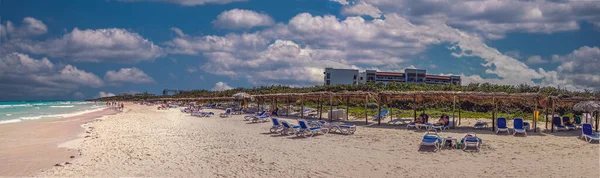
[{"x": 30, "y": 146}]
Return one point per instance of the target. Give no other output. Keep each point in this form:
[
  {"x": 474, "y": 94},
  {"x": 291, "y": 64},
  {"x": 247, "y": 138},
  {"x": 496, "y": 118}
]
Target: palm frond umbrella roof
[
  {"x": 243, "y": 95},
  {"x": 587, "y": 106}
]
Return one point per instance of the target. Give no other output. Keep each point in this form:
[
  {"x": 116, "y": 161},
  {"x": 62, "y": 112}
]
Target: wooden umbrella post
[
  {"x": 415, "y": 108},
  {"x": 320, "y": 108},
  {"x": 546, "y": 115},
  {"x": 534, "y": 117},
  {"x": 331, "y": 108},
  {"x": 379, "y": 117},
  {"x": 453, "y": 111},
  {"x": 459, "y": 109},
  {"x": 259, "y": 110},
  {"x": 302, "y": 111},
  {"x": 391, "y": 108},
  {"x": 347, "y": 107},
  {"x": 552, "y": 124},
  {"x": 597, "y": 113},
  {"x": 287, "y": 114},
  {"x": 366, "y": 104},
  {"x": 493, "y": 114}
]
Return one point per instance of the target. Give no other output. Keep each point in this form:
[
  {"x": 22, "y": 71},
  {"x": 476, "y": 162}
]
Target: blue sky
[{"x": 73, "y": 49}]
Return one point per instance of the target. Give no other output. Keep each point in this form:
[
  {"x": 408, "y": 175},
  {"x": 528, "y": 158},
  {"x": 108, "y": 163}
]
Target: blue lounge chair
[
  {"x": 557, "y": 124},
  {"x": 471, "y": 140},
  {"x": 518, "y": 127},
  {"x": 227, "y": 113},
  {"x": 237, "y": 111},
  {"x": 307, "y": 131},
  {"x": 431, "y": 138},
  {"x": 250, "y": 117},
  {"x": 289, "y": 129},
  {"x": 276, "y": 125},
  {"x": 588, "y": 134},
  {"x": 501, "y": 125},
  {"x": 569, "y": 126},
  {"x": 381, "y": 114}
]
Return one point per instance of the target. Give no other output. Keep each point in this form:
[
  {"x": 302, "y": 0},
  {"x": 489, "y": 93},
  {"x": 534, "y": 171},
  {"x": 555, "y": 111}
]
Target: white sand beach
[{"x": 145, "y": 142}]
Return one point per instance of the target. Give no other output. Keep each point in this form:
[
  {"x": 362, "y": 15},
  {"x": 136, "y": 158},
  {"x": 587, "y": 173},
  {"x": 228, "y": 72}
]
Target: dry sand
[
  {"x": 26, "y": 147},
  {"x": 149, "y": 143}
]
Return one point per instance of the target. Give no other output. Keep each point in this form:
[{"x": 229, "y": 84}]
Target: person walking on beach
[{"x": 122, "y": 106}]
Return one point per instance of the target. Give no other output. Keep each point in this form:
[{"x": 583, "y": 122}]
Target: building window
[
  {"x": 354, "y": 77},
  {"x": 327, "y": 83},
  {"x": 361, "y": 78}
]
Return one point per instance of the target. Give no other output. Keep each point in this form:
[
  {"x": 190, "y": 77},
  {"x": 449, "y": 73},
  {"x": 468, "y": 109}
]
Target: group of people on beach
[
  {"x": 424, "y": 118},
  {"x": 116, "y": 105}
]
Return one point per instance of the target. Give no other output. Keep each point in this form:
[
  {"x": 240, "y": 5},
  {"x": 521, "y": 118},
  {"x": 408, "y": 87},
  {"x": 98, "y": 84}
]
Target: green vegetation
[
  {"x": 485, "y": 87},
  {"x": 469, "y": 109}
]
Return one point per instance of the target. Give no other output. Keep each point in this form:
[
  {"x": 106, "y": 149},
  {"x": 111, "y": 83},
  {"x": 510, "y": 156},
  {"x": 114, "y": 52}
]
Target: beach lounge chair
[
  {"x": 501, "y": 125},
  {"x": 480, "y": 125},
  {"x": 381, "y": 115},
  {"x": 306, "y": 111},
  {"x": 588, "y": 134},
  {"x": 250, "y": 117},
  {"x": 577, "y": 120},
  {"x": 518, "y": 126},
  {"x": 569, "y": 126},
  {"x": 431, "y": 138},
  {"x": 399, "y": 120},
  {"x": 418, "y": 126},
  {"x": 227, "y": 113},
  {"x": 442, "y": 127},
  {"x": 471, "y": 140},
  {"x": 307, "y": 131},
  {"x": 342, "y": 128},
  {"x": 289, "y": 129},
  {"x": 237, "y": 111},
  {"x": 263, "y": 118},
  {"x": 557, "y": 124},
  {"x": 276, "y": 125}
]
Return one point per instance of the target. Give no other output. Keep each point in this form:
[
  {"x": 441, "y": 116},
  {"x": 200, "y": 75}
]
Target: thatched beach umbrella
[
  {"x": 242, "y": 96},
  {"x": 588, "y": 106}
]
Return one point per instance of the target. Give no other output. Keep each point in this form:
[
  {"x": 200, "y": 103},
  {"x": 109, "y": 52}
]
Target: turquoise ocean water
[{"x": 11, "y": 112}]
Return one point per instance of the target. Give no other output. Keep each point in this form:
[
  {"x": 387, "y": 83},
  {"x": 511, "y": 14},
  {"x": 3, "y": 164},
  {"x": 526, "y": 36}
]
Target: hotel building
[{"x": 353, "y": 76}]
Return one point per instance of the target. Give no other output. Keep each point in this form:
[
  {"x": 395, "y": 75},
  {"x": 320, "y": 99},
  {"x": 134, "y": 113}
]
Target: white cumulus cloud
[
  {"x": 102, "y": 94},
  {"x": 100, "y": 45},
  {"x": 242, "y": 19},
  {"x": 221, "y": 86},
  {"x": 362, "y": 8},
  {"x": 29, "y": 27},
  {"x": 190, "y": 2},
  {"x": 128, "y": 75},
  {"x": 24, "y": 76}
]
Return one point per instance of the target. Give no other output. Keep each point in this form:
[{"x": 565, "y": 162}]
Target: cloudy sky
[{"x": 73, "y": 49}]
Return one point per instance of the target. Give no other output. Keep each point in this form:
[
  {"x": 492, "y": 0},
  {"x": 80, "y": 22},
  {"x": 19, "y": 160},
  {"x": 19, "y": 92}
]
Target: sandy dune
[{"x": 150, "y": 143}]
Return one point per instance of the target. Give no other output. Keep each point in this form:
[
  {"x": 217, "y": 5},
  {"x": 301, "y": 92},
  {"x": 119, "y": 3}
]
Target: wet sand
[{"x": 27, "y": 147}]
